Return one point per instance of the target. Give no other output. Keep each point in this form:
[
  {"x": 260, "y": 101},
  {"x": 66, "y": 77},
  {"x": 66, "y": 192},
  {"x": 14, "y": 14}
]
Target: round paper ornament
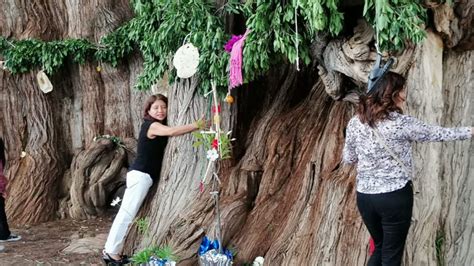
[{"x": 186, "y": 60}]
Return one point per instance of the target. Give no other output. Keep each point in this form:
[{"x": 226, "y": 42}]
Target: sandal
[{"x": 111, "y": 261}]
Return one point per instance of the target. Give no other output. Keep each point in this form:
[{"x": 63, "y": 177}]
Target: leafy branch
[
  {"x": 396, "y": 22},
  {"x": 161, "y": 27}
]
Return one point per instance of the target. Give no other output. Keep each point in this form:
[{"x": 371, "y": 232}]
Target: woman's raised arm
[{"x": 158, "y": 129}]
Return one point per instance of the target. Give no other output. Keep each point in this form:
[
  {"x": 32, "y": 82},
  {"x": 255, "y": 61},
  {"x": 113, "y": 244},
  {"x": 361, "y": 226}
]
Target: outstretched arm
[
  {"x": 416, "y": 130},
  {"x": 158, "y": 129}
]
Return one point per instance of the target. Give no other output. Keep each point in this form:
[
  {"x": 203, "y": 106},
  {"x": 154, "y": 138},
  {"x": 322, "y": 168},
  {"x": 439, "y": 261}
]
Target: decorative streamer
[{"x": 235, "y": 74}]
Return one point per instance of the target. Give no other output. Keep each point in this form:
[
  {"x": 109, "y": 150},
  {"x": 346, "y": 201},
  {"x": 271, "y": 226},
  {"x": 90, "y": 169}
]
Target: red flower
[
  {"x": 215, "y": 144},
  {"x": 218, "y": 108}
]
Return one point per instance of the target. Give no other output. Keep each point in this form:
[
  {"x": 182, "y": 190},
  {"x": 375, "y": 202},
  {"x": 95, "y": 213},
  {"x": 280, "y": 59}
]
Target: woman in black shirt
[{"x": 145, "y": 169}]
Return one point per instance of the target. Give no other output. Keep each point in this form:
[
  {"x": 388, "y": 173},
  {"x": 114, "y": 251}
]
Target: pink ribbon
[{"x": 235, "y": 74}]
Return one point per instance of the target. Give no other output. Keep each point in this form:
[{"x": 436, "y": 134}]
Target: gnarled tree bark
[
  {"x": 284, "y": 194},
  {"x": 52, "y": 128}
]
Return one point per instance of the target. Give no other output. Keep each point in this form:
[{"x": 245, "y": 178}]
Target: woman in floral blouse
[{"x": 379, "y": 140}]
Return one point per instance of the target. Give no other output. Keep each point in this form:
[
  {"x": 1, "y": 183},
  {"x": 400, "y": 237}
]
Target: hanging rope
[
  {"x": 296, "y": 36},
  {"x": 377, "y": 7},
  {"x": 186, "y": 38}
]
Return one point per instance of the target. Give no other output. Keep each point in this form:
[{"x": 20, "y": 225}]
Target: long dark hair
[
  {"x": 2, "y": 152},
  {"x": 148, "y": 104},
  {"x": 381, "y": 100}
]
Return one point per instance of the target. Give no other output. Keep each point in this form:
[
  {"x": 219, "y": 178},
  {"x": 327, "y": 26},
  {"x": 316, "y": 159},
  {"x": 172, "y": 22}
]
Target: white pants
[{"x": 138, "y": 184}]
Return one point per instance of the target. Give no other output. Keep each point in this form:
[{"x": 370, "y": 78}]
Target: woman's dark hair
[
  {"x": 2, "y": 152},
  {"x": 381, "y": 100},
  {"x": 149, "y": 102}
]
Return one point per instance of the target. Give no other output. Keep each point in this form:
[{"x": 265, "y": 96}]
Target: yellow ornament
[
  {"x": 98, "y": 68},
  {"x": 229, "y": 99},
  {"x": 217, "y": 119}
]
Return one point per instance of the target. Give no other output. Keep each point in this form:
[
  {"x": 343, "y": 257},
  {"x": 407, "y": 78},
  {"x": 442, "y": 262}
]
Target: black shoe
[
  {"x": 11, "y": 238},
  {"x": 113, "y": 262}
]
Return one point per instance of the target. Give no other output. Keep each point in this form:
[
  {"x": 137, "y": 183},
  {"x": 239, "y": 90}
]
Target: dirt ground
[{"x": 44, "y": 244}]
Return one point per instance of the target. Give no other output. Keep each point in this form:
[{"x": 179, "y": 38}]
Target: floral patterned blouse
[{"x": 377, "y": 170}]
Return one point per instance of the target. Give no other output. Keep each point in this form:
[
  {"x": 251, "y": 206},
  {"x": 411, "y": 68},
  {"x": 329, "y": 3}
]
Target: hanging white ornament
[
  {"x": 44, "y": 82},
  {"x": 186, "y": 60},
  {"x": 258, "y": 261}
]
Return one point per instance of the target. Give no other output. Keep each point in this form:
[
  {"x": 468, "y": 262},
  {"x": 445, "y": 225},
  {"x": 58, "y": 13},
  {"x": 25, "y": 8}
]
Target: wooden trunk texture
[
  {"x": 440, "y": 92},
  {"x": 285, "y": 194},
  {"x": 53, "y": 128}
]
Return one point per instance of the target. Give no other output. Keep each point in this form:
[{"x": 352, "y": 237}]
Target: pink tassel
[
  {"x": 235, "y": 74},
  {"x": 228, "y": 46}
]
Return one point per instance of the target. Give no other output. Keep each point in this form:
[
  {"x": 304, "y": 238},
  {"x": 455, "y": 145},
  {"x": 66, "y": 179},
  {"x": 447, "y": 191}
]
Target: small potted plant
[{"x": 155, "y": 256}]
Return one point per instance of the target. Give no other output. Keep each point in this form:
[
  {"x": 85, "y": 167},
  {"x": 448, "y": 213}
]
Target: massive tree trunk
[
  {"x": 458, "y": 169},
  {"x": 29, "y": 124},
  {"x": 52, "y": 128},
  {"x": 29, "y": 127},
  {"x": 284, "y": 195},
  {"x": 437, "y": 94}
]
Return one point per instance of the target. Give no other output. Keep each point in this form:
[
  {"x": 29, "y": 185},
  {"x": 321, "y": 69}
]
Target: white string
[
  {"x": 216, "y": 106},
  {"x": 377, "y": 39},
  {"x": 215, "y": 195},
  {"x": 207, "y": 93},
  {"x": 376, "y": 30},
  {"x": 296, "y": 35},
  {"x": 10, "y": 43},
  {"x": 185, "y": 38}
]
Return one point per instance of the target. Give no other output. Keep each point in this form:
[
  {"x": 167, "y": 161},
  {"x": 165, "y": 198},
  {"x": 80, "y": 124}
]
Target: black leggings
[
  {"x": 4, "y": 230},
  {"x": 387, "y": 217}
]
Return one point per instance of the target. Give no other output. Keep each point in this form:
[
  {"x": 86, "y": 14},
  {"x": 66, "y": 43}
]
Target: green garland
[{"x": 160, "y": 27}]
